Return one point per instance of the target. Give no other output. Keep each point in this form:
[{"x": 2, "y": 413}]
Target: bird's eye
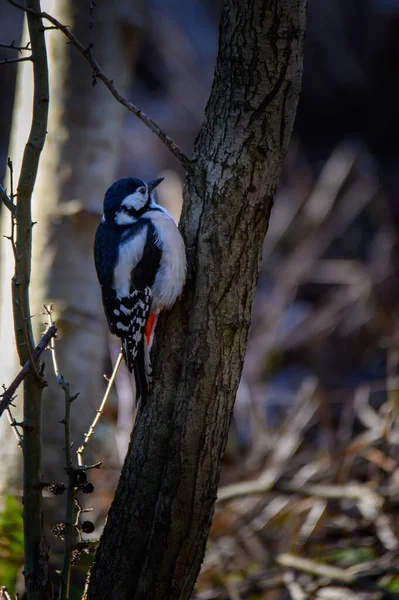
[{"x": 142, "y": 190}]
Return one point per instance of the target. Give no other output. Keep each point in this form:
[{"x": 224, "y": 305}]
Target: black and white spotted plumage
[
  {"x": 141, "y": 267},
  {"x": 127, "y": 317}
]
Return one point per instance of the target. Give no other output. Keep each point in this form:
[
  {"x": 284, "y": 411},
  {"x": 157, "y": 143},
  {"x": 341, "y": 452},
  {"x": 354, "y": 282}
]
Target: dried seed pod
[
  {"x": 87, "y": 527},
  {"x": 76, "y": 556},
  {"x": 58, "y": 530},
  {"x": 80, "y": 477},
  {"x": 57, "y": 488},
  {"x": 87, "y": 488}
]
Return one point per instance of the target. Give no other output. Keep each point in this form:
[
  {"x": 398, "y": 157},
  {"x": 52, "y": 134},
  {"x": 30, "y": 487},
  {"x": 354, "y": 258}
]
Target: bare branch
[
  {"x": 71, "y": 493},
  {"x": 100, "y": 411},
  {"x": 13, "y": 46},
  {"x": 96, "y": 465},
  {"x": 8, "y": 203},
  {"x": 13, "y": 221},
  {"x": 98, "y": 73},
  {"x": 344, "y": 576},
  {"x": 7, "y": 397},
  {"x": 5, "y": 593},
  {"x": 14, "y": 426},
  {"x": 349, "y": 491},
  {"x": 294, "y": 589},
  {"x": 69, "y": 468},
  {"x": 8, "y": 61},
  {"x": 309, "y": 566}
]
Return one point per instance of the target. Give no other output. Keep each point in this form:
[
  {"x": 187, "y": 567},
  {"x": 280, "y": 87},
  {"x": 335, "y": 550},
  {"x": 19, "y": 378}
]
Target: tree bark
[
  {"x": 35, "y": 547},
  {"x": 155, "y": 536}
]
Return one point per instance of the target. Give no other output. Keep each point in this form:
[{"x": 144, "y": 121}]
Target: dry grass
[{"x": 307, "y": 506}]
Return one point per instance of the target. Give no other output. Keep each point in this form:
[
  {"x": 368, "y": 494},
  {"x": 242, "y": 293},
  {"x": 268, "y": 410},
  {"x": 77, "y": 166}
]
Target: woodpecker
[{"x": 140, "y": 260}]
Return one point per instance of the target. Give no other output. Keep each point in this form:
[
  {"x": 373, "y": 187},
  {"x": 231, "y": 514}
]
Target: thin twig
[
  {"x": 11, "y": 238},
  {"x": 306, "y": 565},
  {"x": 350, "y": 491},
  {"x": 7, "y": 396},
  {"x": 26, "y": 327},
  {"x": 98, "y": 73},
  {"x": 294, "y": 589},
  {"x": 96, "y": 465},
  {"x": 20, "y": 302},
  {"x": 9, "y": 61},
  {"x": 13, "y": 212},
  {"x": 13, "y": 46},
  {"x": 71, "y": 492},
  {"x": 4, "y": 592},
  {"x": 336, "y": 574},
  {"x": 69, "y": 468},
  {"x": 79, "y": 512},
  {"x": 100, "y": 411},
  {"x": 48, "y": 310},
  {"x": 8, "y": 203},
  {"x": 77, "y": 519},
  {"x": 14, "y": 427}
]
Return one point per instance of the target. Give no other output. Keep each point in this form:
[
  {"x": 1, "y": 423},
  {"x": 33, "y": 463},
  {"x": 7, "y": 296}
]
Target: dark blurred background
[{"x": 318, "y": 397}]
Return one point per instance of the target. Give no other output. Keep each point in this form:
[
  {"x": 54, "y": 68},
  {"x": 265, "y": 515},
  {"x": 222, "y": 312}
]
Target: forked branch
[
  {"x": 19, "y": 49},
  {"x": 7, "y": 201},
  {"x": 8, "y": 395},
  {"x": 98, "y": 73},
  {"x": 80, "y": 451},
  {"x": 9, "y": 61}
]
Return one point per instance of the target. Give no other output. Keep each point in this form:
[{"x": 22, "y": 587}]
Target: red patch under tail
[{"x": 149, "y": 328}]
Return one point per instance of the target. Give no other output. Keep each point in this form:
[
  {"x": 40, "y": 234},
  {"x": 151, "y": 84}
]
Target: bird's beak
[{"x": 153, "y": 184}]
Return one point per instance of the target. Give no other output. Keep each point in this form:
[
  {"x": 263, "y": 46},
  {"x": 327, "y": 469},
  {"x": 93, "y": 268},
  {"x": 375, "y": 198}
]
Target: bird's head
[{"x": 127, "y": 199}]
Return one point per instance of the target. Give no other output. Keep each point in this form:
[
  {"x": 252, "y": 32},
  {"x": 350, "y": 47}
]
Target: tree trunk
[
  {"x": 78, "y": 164},
  {"x": 155, "y": 536}
]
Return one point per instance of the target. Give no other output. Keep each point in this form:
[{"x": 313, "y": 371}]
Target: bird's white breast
[
  {"x": 171, "y": 275},
  {"x": 130, "y": 254}
]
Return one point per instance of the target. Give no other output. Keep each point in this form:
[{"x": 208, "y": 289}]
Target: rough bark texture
[{"x": 155, "y": 536}]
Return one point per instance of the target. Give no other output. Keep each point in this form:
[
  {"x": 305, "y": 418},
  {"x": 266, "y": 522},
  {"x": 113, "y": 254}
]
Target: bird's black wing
[
  {"x": 120, "y": 311},
  {"x": 105, "y": 253},
  {"x": 145, "y": 271},
  {"x": 123, "y": 312},
  {"x": 127, "y": 316}
]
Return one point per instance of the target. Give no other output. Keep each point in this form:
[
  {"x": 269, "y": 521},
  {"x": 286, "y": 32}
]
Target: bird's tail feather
[
  {"x": 148, "y": 365},
  {"x": 128, "y": 355},
  {"x": 132, "y": 314},
  {"x": 136, "y": 346},
  {"x": 138, "y": 363},
  {"x": 140, "y": 375}
]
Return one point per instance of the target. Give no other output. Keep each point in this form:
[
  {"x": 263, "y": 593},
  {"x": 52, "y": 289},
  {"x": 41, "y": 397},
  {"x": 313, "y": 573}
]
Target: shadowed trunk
[{"x": 155, "y": 536}]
